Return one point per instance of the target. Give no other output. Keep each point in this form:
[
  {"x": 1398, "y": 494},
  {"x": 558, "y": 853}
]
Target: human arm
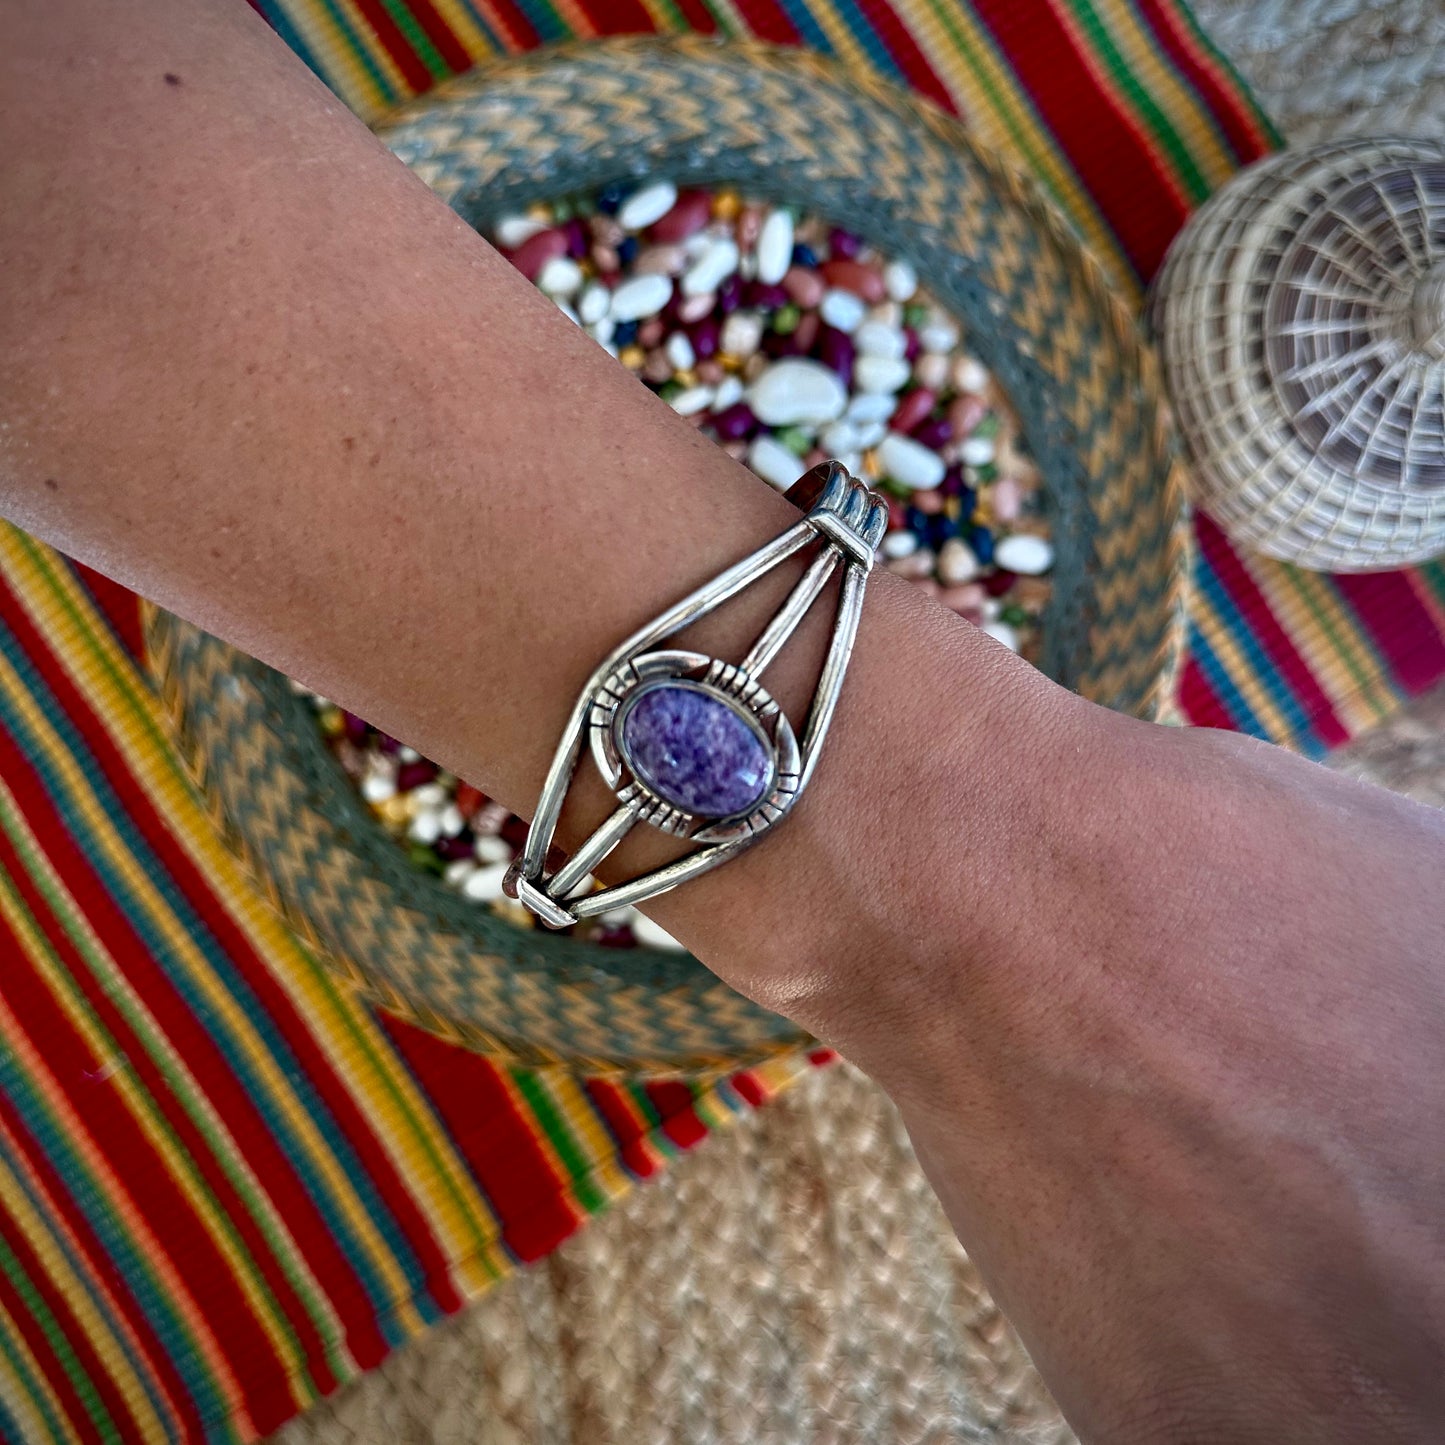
[{"x": 279, "y": 388}]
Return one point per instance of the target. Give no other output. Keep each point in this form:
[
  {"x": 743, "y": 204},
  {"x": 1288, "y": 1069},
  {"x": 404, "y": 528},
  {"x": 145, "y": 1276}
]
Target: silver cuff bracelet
[{"x": 694, "y": 745}]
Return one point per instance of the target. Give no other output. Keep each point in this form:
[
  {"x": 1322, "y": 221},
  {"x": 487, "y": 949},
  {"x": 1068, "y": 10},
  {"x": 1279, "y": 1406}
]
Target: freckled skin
[{"x": 1163, "y": 1011}]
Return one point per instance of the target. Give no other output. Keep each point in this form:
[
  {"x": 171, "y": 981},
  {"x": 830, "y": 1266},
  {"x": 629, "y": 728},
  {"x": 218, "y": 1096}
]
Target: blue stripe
[
  {"x": 236, "y": 1054},
  {"x": 9, "y": 1429},
  {"x": 809, "y": 31},
  {"x": 1301, "y": 725},
  {"x": 280, "y": 22},
  {"x": 548, "y": 25},
  {"x": 1240, "y": 716},
  {"x": 35, "y": 1390}
]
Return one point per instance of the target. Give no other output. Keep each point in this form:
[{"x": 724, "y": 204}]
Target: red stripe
[
  {"x": 1199, "y": 701},
  {"x": 675, "y": 1107},
  {"x": 413, "y": 69},
  {"x": 697, "y": 17},
  {"x": 60, "y": 1201},
  {"x": 749, "y": 1088},
  {"x": 623, "y": 1125},
  {"x": 766, "y": 21},
  {"x": 498, "y": 1142},
  {"x": 272, "y": 1000},
  {"x": 898, "y": 40},
  {"x": 1241, "y": 129},
  {"x": 519, "y": 31},
  {"x": 253, "y": 1138},
  {"x": 128, "y": 1153},
  {"x": 120, "y": 605},
  {"x": 440, "y": 34},
  {"x": 1110, "y": 156},
  {"x": 1391, "y": 611},
  {"x": 1265, "y": 627},
  {"x": 618, "y": 17}
]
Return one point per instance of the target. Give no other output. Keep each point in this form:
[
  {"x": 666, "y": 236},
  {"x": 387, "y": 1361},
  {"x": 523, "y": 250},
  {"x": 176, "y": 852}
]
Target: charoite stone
[{"x": 695, "y": 751}]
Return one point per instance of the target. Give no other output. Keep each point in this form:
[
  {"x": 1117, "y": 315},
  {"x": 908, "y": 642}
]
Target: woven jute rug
[{"x": 794, "y": 1280}]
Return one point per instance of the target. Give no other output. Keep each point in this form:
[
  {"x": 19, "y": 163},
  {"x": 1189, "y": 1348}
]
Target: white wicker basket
[{"x": 1300, "y": 318}]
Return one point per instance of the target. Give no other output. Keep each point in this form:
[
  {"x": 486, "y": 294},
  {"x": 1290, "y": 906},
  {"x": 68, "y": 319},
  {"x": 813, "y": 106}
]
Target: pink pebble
[
  {"x": 605, "y": 230},
  {"x": 806, "y": 331},
  {"x": 965, "y": 412},
  {"x": 659, "y": 261},
  {"x": 710, "y": 373},
  {"x": 897, "y": 516},
  {"x": 927, "y": 585},
  {"x": 969, "y": 597},
  {"x": 803, "y": 286},
  {"x": 694, "y": 308},
  {"x": 736, "y": 450},
  {"x": 689, "y": 215},
  {"x": 929, "y": 503},
  {"x": 1007, "y": 498},
  {"x": 815, "y": 458},
  {"x": 649, "y": 334},
  {"x": 912, "y": 409},
  {"x": 750, "y": 225},
  {"x": 536, "y": 251},
  {"x": 862, "y": 280},
  {"x": 607, "y": 262}
]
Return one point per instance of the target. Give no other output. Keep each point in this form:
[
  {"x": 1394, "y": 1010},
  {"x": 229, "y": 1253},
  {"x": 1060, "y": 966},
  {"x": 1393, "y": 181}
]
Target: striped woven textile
[{"x": 226, "y": 1185}]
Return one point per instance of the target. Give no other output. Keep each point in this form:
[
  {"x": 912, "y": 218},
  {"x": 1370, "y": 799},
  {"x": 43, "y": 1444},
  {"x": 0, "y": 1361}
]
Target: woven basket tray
[{"x": 1037, "y": 310}]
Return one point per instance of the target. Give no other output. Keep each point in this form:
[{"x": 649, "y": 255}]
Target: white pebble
[
  {"x": 870, "y": 433},
  {"x": 653, "y": 935},
  {"x": 977, "y": 451},
  {"x": 712, "y": 268},
  {"x": 931, "y": 370},
  {"x": 561, "y": 276},
  {"x": 1028, "y": 556},
  {"x": 938, "y": 334},
  {"x": 991, "y": 608},
  {"x": 870, "y": 407},
  {"x": 616, "y": 917},
  {"x": 693, "y": 399},
  {"x": 567, "y": 311},
  {"x": 840, "y": 437},
  {"x": 889, "y": 313},
  {"x": 842, "y": 310},
  {"x": 775, "y": 247},
  {"x": 457, "y": 872},
  {"x": 1002, "y": 632},
  {"x": 601, "y": 332},
  {"x": 729, "y": 393},
  {"x": 492, "y": 848},
  {"x": 910, "y": 463},
  {"x": 970, "y": 375},
  {"x": 876, "y": 338},
  {"x": 426, "y": 827},
  {"x": 649, "y": 204},
  {"x": 694, "y": 308},
  {"x": 899, "y": 544},
  {"x": 429, "y": 795},
  {"x": 742, "y": 334},
  {"x": 852, "y": 461},
  {"x": 774, "y": 463},
  {"x": 957, "y": 563},
  {"x": 511, "y": 231},
  {"x": 405, "y": 754},
  {"x": 680, "y": 351},
  {"x": 661, "y": 260},
  {"x": 900, "y": 280},
  {"x": 378, "y": 787},
  {"x": 452, "y": 821},
  {"x": 485, "y": 884},
  {"x": 796, "y": 391},
  {"x": 880, "y": 373},
  {"x": 592, "y": 303},
  {"x": 640, "y": 296}
]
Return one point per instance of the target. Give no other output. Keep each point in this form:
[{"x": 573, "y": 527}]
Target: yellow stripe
[
  {"x": 572, "y": 1103},
  {"x": 114, "y": 1195},
  {"x": 1241, "y": 673},
  {"x": 57, "y": 1264},
  {"x": 470, "y": 35},
  {"x": 141, "y": 1106},
  {"x": 20, "y": 1397},
  {"x": 344, "y": 72},
  {"x": 94, "y": 662}
]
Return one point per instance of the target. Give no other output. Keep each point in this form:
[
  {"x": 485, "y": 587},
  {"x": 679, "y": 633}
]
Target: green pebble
[
  {"x": 1015, "y": 615},
  {"x": 915, "y": 314},
  {"x": 795, "y": 439},
  {"x": 669, "y": 389},
  {"x": 563, "y": 211},
  {"x": 423, "y": 857},
  {"x": 888, "y": 485},
  {"x": 785, "y": 319},
  {"x": 988, "y": 427},
  {"x": 985, "y": 474},
  {"x": 585, "y": 207}
]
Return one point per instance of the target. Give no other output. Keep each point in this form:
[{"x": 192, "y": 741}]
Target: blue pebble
[
  {"x": 624, "y": 334},
  {"x": 916, "y": 521},
  {"x": 627, "y": 251},
  {"x": 940, "y": 528},
  {"x": 982, "y": 544},
  {"x": 804, "y": 256},
  {"x": 609, "y": 200}
]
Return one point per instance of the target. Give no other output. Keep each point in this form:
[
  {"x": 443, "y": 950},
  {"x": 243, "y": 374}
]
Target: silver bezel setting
[{"x": 729, "y": 685}]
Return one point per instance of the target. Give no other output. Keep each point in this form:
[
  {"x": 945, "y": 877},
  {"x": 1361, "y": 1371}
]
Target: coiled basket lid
[
  {"x": 1038, "y": 311},
  {"x": 1300, "y": 318}
]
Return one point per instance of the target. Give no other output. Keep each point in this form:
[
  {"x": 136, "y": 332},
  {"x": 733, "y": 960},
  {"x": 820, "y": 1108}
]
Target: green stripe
[
  {"x": 1128, "y": 86},
  {"x": 56, "y": 1338},
  {"x": 560, "y": 1136},
  {"x": 409, "y": 26},
  {"x": 1365, "y": 686},
  {"x": 485, "y": 1227},
  {"x": 1242, "y": 89},
  {"x": 36, "y": 1394}
]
